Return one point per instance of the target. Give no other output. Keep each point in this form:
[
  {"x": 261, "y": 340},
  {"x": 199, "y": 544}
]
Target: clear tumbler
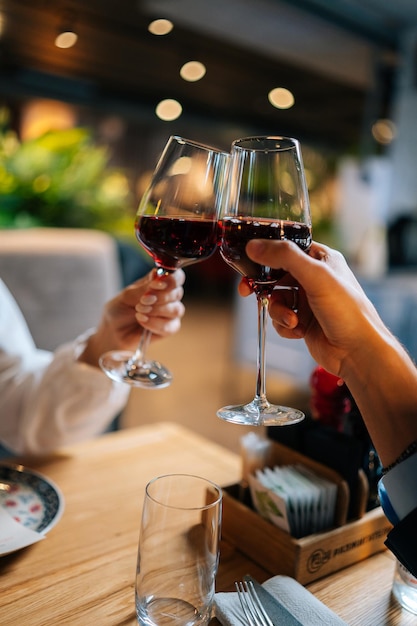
[
  {"x": 178, "y": 551},
  {"x": 405, "y": 588}
]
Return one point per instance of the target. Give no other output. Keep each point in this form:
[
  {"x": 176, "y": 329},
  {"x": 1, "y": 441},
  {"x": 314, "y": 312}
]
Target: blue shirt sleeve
[
  {"x": 398, "y": 497},
  {"x": 398, "y": 490}
]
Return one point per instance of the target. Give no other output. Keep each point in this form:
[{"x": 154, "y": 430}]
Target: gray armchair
[{"x": 60, "y": 278}]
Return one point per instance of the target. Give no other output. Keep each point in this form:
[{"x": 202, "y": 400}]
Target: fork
[{"x": 251, "y": 604}]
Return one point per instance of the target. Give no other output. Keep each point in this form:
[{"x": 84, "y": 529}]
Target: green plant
[{"x": 62, "y": 179}]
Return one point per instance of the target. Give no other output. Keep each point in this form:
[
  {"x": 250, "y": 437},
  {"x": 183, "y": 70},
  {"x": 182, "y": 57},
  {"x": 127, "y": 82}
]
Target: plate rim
[{"x": 24, "y": 469}]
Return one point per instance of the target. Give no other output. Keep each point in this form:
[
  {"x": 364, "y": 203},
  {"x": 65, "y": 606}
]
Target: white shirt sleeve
[{"x": 48, "y": 400}]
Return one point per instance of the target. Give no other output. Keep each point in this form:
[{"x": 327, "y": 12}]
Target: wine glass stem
[
  {"x": 260, "y": 397},
  {"x": 141, "y": 350}
]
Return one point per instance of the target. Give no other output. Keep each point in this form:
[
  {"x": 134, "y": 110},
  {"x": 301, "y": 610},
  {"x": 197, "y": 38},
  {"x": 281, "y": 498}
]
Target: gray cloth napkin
[{"x": 305, "y": 607}]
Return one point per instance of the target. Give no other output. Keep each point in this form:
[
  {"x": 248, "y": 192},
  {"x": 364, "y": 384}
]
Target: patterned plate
[{"x": 30, "y": 498}]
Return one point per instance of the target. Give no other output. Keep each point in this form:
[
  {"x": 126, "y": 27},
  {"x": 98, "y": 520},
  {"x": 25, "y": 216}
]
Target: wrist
[
  {"x": 361, "y": 363},
  {"x": 84, "y": 351}
]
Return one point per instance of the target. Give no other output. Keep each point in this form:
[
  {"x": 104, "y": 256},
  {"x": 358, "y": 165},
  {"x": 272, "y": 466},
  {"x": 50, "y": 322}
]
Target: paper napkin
[
  {"x": 294, "y": 498},
  {"x": 299, "y": 602}
]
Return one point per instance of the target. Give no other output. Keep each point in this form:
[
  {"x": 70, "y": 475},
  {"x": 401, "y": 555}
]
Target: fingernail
[
  {"x": 288, "y": 320},
  {"x": 256, "y": 245},
  {"x": 142, "y": 308},
  {"x": 141, "y": 317},
  {"x": 148, "y": 299},
  {"x": 159, "y": 284}
]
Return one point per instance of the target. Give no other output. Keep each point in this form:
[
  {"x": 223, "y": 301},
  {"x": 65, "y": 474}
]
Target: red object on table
[{"x": 329, "y": 400}]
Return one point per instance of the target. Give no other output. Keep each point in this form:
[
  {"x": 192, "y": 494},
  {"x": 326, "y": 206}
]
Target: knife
[{"x": 277, "y": 612}]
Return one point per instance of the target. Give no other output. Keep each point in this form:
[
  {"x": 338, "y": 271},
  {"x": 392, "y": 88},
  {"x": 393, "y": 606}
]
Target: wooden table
[{"x": 83, "y": 572}]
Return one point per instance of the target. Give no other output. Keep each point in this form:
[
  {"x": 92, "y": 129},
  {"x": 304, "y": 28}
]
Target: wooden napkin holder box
[{"x": 311, "y": 557}]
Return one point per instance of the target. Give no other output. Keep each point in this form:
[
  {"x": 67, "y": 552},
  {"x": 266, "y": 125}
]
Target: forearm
[{"x": 383, "y": 381}]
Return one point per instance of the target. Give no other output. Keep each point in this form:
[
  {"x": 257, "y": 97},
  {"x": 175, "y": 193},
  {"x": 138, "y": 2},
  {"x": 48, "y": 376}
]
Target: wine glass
[
  {"x": 176, "y": 223},
  {"x": 266, "y": 198}
]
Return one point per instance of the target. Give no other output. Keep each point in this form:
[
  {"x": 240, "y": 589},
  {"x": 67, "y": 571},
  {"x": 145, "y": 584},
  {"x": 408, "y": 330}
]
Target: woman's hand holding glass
[
  {"x": 149, "y": 303},
  {"x": 345, "y": 334},
  {"x": 176, "y": 223}
]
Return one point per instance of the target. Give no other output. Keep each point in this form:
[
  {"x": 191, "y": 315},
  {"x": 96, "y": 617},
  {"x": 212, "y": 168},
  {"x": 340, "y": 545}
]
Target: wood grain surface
[{"x": 83, "y": 573}]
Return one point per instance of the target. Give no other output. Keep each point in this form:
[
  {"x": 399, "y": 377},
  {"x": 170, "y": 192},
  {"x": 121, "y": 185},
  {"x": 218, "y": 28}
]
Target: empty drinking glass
[
  {"x": 178, "y": 551},
  {"x": 405, "y": 588}
]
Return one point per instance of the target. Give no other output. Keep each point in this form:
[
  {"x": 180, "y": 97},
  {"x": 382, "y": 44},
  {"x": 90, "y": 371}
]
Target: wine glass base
[
  {"x": 254, "y": 414},
  {"x": 119, "y": 367}
]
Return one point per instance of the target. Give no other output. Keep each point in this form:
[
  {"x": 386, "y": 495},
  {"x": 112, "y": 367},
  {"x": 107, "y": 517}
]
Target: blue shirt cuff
[{"x": 398, "y": 490}]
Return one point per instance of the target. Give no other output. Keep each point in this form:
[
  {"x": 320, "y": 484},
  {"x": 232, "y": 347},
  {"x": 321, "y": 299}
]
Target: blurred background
[{"x": 91, "y": 91}]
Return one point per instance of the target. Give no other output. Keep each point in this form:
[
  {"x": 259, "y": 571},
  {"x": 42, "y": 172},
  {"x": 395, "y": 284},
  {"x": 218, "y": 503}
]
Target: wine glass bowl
[
  {"x": 266, "y": 198},
  {"x": 177, "y": 224},
  {"x": 176, "y": 242},
  {"x": 236, "y": 232}
]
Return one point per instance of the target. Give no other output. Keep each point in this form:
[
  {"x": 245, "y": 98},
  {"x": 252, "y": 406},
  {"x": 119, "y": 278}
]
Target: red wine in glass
[
  {"x": 237, "y": 231},
  {"x": 176, "y": 242}
]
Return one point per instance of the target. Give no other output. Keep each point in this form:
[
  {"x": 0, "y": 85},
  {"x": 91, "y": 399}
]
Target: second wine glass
[
  {"x": 176, "y": 223},
  {"x": 267, "y": 199}
]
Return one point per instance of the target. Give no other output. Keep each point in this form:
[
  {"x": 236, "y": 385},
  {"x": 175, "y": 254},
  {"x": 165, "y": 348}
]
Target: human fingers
[
  {"x": 266, "y": 252},
  {"x": 323, "y": 275},
  {"x": 289, "y": 257},
  {"x": 244, "y": 288},
  {"x": 167, "y": 288},
  {"x": 335, "y": 317},
  {"x": 154, "y": 301},
  {"x": 158, "y": 298},
  {"x": 149, "y": 290},
  {"x": 162, "y": 320},
  {"x": 282, "y": 312},
  {"x": 166, "y": 281},
  {"x": 290, "y": 313},
  {"x": 149, "y": 307}
]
